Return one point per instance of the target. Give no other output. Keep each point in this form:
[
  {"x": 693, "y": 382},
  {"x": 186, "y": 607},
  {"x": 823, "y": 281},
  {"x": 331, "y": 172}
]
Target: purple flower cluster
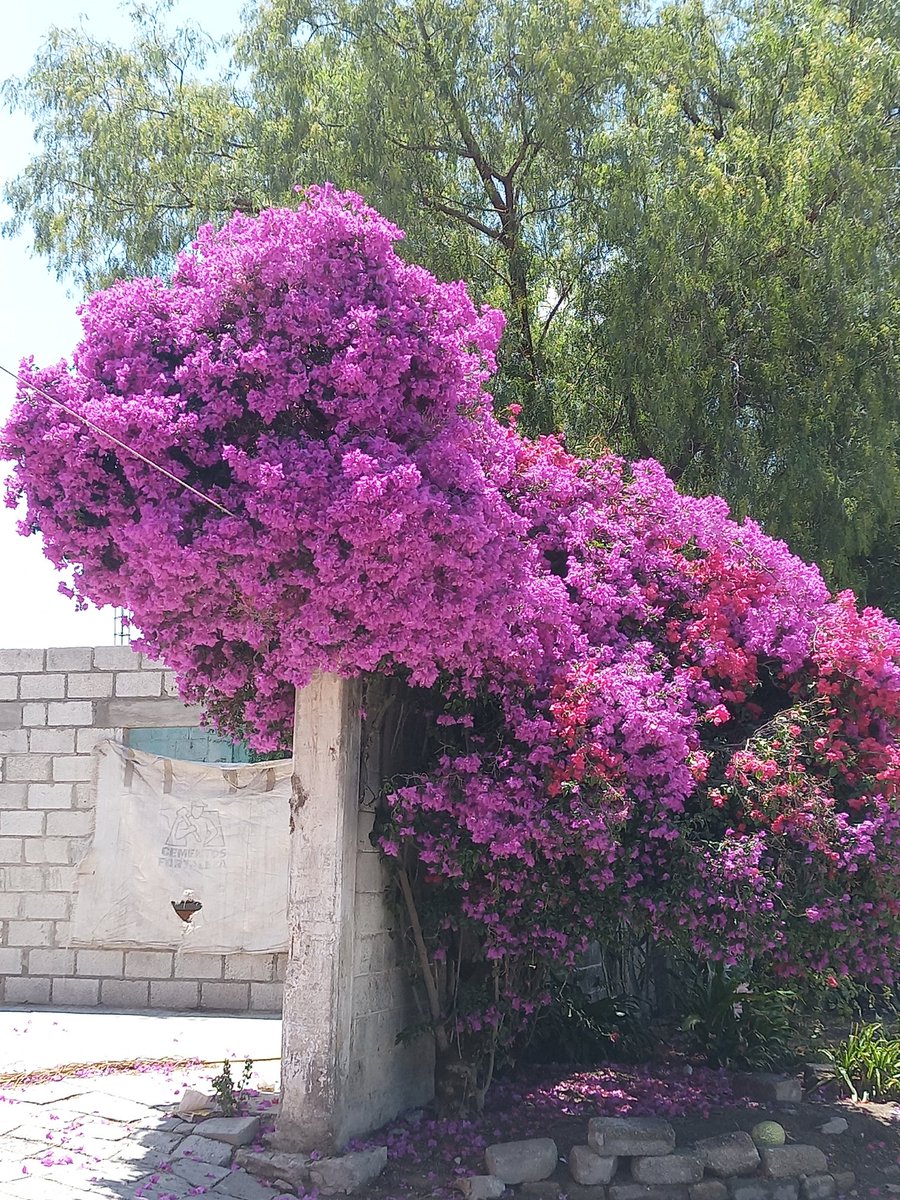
[{"x": 650, "y": 714}]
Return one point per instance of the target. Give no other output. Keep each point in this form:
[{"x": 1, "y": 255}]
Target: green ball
[{"x": 768, "y": 1133}]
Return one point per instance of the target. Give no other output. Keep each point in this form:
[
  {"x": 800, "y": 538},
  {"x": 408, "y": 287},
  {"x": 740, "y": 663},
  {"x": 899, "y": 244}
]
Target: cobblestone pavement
[{"x": 113, "y": 1135}]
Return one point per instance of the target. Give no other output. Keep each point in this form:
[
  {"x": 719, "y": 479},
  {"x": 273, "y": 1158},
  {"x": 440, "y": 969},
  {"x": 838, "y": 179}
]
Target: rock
[
  {"x": 522, "y": 1162},
  {"x": 644, "y": 1191},
  {"x": 239, "y": 1186},
  {"x": 844, "y": 1180},
  {"x": 196, "y": 1102},
  {"x": 480, "y": 1187},
  {"x": 817, "y": 1187},
  {"x": 815, "y": 1074},
  {"x": 728, "y": 1154},
  {"x": 630, "y": 1136},
  {"x": 541, "y": 1189},
  {"x": 236, "y": 1131},
  {"x": 202, "y": 1149},
  {"x": 275, "y": 1164},
  {"x": 835, "y": 1125},
  {"x": 198, "y": 1174},
  {"x": 709, "y": 1189},
  {"x": 763, "y": 1189},
  {"x": 780, "y": 1162},
  {"x": 589, "y": 1168},
  {"x": 585, "y": 1191},
  {"x": 764, "y": 1085},
  {"x": 349, "y": 1172},
  {"x": 681, "y": 1167},
  {"x": 768, "y": 1133}
]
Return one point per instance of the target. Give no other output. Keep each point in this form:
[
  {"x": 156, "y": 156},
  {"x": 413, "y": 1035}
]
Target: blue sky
[{"x": 38, "y": 317}]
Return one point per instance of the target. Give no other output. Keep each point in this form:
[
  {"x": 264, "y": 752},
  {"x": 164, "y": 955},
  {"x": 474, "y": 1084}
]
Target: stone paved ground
[{"x": 112, "y": 1135}]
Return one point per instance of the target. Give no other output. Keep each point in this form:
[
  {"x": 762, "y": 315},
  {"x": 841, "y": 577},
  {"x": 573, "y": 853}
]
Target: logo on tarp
[{"x": 195, "y": 838}]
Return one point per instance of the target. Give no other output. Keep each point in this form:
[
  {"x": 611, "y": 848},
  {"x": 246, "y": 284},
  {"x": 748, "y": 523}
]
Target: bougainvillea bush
[{"x": 643, "y": 712}]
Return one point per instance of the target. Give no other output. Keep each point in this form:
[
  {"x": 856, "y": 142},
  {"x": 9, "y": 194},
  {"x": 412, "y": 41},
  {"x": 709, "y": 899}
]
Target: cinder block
[
  {"x": 10, "y": 715},
  {"x": 62, "y": 934},
  {"x": 257, "y": 967},
  {"x": 74, "y": 768},
  {"x": 266, "y": 997},
  {"x": 152, "y": 664},
  {"x": 28, "y": 768},
  {"x": 233, "y": 997},
  {"x": 98, "y": 962},
  {"x": 46, "y": 905},
  {"x": 81, "y": 796},
  {"x": 373, "y": 916},
  {"x": 47, "y": 850},
  {"x": 170, "y": 684},
  {"x": 23, "y": 879},
  {"x": 12, "y": 795},
  {"x": 116, "y": 658},
  {"x": 172, "y": 993},
  {"x": 88, "y": 687},
  {"x": 87, "y": 739},
  {"x": 198, "y": 966},
  {"x": 25, "y": 990},
  {"x": 10, "y": 961},
  {"x": 148, "y": 964},
  {"x": 124, "y": 993},
  {"x": 69, "y": 658},
  {"x": 51, "y": 741},
  {"x": 29, "y": 933},
  {"x": 125, "y": 712},
  {"x": 81, "y": 992},
  {"x": 9, "y": 687},
  {"x": 380, "y": 991},
  {"x": 70, "y": 712},
  {"x": 69, "y": 824},
  {"x": 42, "y": 687},
  {"x": 13, "y": 741},
  {"x": 10, "y": 850},
  {"x": 50, "y": 795},
  {"x": 58, "y": 878},
  {"x": 10, "y": 904},
  {"x": 370, "y": 874},
  {"x": 280, "y": 967},
  {"x": 14, "y": 662},
  {"x": 51, "y": 962},
  {"x": 34, "y": 713},
  {"x": 21, "y": 823},
  {"x": 141, "y": 683}
]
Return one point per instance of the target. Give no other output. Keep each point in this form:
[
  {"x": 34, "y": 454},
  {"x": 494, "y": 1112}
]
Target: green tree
[
  {"x": 688, "y": 215},
  {"x": 747, "y": 321}
]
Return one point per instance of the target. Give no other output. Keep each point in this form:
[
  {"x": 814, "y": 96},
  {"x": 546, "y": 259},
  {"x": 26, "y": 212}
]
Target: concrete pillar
[{"x": 347, "y": 993}]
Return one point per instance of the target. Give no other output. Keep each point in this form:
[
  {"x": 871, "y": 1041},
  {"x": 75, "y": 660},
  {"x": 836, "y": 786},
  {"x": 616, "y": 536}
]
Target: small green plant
[
  {"x": 867, "y": 1063},
  {"x": 230, "y": 1097},
  {"x": 584, "y": 1031},
  {"x": 734, "y": 1024}
]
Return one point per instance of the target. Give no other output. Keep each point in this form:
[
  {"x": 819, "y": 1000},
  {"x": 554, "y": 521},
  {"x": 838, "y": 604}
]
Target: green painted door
[{"x": 187, "y": 744}]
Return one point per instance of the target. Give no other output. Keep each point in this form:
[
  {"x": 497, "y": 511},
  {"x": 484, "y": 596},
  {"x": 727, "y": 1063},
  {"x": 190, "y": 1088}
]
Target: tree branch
[{"x": 449, "y": 211}]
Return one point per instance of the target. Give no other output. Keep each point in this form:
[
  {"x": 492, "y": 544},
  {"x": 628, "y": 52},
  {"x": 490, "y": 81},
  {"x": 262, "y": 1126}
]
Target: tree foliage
[{"x": 687, "y": 215}]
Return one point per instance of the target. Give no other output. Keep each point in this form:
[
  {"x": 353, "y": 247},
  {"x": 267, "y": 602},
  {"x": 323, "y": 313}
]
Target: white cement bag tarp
[{"x": 164, "y": 827}]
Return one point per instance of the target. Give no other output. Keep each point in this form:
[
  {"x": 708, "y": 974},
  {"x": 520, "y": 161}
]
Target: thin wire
[{"x": 130, "y": 449}]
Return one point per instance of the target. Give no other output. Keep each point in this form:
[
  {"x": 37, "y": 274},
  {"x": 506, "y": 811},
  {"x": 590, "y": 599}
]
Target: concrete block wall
[{"x": 55, "y": 705}]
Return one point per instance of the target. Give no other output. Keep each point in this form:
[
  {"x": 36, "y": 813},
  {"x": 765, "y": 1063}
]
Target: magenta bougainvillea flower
[{"x": 649, "y": 713}]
